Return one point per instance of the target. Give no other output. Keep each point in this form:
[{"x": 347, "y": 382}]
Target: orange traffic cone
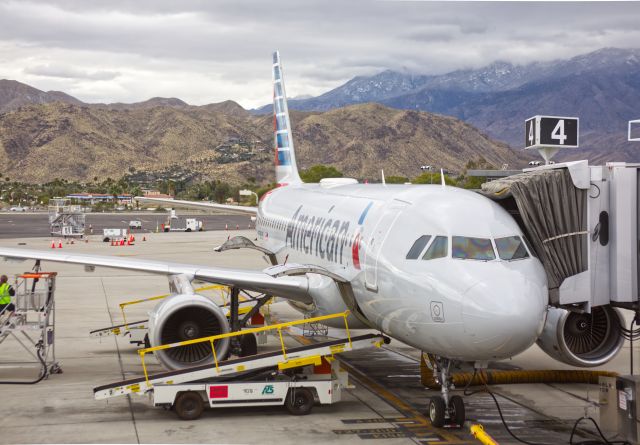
[
  {"x": 144, "y": 238},
  {"x": 237, "y": 227},
  {"x": 53, "y": 244},
  {"x": 122, "y": 242},
  {"x": 59, "y": 244}
]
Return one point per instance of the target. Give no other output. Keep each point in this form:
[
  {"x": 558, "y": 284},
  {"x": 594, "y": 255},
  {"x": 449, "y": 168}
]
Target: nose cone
[{"x": 505, "y": 314}]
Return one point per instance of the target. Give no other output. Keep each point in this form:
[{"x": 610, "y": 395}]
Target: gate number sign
[{"x": 551, "y": 131}]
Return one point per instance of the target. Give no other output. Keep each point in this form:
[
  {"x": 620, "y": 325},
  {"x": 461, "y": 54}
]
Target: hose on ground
[
  {"x": 43, "y": 372},
  {"x": 505, "y": 377}
]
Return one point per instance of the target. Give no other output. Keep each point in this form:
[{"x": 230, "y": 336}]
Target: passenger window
[
  {"x": 418, "y": 247},
  {"x": 438, "y": 248},
  {"x": 466, "y": 248},
  {"x": 511, "y": 248}
]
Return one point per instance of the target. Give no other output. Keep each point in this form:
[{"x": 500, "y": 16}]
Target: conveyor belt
[
  {"x": 125, "y": 325},
  {"x": 118, "y": 329},
  {"x": 235, "y": 366}
]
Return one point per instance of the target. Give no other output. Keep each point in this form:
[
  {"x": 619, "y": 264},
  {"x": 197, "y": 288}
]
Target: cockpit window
[
  {"x": 438, "y": 248},
  {"x": 472, "y": 248},
  {"x": 418, "y": 247},
  {"x": 511, "y": 248}
]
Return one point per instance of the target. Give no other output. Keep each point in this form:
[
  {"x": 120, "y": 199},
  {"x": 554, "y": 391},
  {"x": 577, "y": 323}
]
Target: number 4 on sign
[
  {"x": 531, "y": 133},
  {"x": 558, "y": 132}
]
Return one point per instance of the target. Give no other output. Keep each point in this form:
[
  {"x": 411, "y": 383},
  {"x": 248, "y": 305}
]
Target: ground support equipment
[
  {"x": 286, "y": 363},
  {"x": 32, "y": 324},
  {"x": 298, "y": 391}
]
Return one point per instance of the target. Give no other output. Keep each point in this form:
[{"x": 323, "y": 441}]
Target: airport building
[{"x": 94, "y": 198}]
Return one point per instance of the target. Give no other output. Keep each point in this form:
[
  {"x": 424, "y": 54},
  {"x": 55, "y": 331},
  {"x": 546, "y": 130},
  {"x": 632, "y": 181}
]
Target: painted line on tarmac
[{"x": 421, "y": 427}]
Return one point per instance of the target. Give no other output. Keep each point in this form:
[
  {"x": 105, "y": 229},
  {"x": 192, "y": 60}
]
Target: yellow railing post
[
  {"x": 215, "y": 356},
  {"x": 346, "y": 325},
  {"x": 144, "y": 366},
  {"x": 124, "y": 317},
  {"x": 284, "y": 351}
]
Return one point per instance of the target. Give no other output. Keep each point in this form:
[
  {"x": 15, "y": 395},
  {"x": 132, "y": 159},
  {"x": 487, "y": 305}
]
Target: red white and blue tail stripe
[{"x": 285, "y": 158}]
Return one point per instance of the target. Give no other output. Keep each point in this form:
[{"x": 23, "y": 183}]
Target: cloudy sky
[{"x": 209, "y": 51}]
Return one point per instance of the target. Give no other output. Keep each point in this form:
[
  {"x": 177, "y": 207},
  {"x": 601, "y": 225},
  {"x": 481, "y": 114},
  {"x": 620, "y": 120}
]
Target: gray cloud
[
  {"x": 205, "y": 51},
  {"x": 68, "y": 72}
]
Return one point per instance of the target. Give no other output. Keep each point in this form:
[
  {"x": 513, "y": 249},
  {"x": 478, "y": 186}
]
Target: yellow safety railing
[
  {"x": 279, "y": 327},
  {"x": 160, "y": 297}
]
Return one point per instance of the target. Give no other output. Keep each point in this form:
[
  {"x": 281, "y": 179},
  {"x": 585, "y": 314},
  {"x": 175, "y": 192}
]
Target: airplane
[{"x": 443, "y": 269}]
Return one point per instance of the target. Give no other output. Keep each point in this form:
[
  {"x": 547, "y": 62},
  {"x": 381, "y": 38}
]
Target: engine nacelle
[
  {"x": 187, "y": 317},
  {"x": 585, "y": 340}
]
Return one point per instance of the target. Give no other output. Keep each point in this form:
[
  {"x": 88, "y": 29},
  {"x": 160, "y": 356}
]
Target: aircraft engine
[
  {"x": 585, "y": 340},
  {"x": 187, "y": 317}
]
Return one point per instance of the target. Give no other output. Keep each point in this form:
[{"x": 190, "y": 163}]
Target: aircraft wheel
[
  {"x": 248, "y": 345},
  {"x": 299, "y": 401},
  {"x": 189, "y": 405},
  {"x": 436, "y": 411},
  {"x": 456, "y": 411}
]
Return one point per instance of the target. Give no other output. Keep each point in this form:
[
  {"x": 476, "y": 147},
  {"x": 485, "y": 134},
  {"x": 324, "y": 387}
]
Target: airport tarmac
[
  {"x": 29, "y": 225},
  {"x": 387, "y": 405}
]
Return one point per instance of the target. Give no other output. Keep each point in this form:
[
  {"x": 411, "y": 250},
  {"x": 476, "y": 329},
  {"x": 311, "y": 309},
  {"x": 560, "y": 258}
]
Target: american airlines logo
[{"x": 320, "y": 236}]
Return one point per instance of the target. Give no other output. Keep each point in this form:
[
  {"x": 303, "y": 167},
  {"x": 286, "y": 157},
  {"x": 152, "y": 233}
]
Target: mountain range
[
  {"x": 371, "y": 121},
  {"x": 602, "y": 88},
  {"x": 41, "y": 142}
]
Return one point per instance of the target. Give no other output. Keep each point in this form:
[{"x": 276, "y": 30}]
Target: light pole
[
  {"x": 246, "y": 192},
  {"x": 428, "y": 168}
]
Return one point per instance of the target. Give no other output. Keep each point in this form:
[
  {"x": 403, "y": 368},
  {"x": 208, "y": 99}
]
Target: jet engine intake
[
  {"x": 585, "y": 340},
  {"x": 187, "y": 317}
]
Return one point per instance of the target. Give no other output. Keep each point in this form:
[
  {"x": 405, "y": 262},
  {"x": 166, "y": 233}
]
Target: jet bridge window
[
  {"x": 418, "y": 247},
  {"x": 466, "y": 248},
  {"x": 511, "y": 248},
  {"x": 438, "y": 249}
]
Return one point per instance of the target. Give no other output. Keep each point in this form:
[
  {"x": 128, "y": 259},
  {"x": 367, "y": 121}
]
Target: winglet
[{"x": 285, "y": 157}]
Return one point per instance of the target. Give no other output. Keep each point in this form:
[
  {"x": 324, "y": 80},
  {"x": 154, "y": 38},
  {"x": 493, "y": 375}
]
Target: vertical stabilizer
[{"x": 285, "y": 157}]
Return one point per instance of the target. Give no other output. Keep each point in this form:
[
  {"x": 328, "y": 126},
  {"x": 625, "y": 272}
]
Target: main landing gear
[{"x": 445, "y": 410}]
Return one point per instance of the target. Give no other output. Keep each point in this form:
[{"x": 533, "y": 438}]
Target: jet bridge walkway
[{"x": 283, "y": 358}]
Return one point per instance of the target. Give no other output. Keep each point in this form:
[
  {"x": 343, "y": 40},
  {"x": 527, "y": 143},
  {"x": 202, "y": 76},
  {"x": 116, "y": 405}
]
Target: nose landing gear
[{"x": 445, "y": 410}]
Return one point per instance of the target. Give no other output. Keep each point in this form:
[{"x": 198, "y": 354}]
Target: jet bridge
[{"x": 582, "y": 223}]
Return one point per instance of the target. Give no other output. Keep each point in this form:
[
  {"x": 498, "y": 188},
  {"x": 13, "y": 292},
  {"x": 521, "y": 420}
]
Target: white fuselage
[{"x": 456, "y": 308}]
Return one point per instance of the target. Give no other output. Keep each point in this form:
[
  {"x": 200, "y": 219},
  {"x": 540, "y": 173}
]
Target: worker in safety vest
[{"x": 6, "y": 292}]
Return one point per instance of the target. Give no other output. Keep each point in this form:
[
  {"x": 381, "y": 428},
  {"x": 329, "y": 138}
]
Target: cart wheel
[
  {"x": 188, "y": 230},
  {"x": 248, "y": 345},
  {"x": 55, "y": 369},
  {"x": 189, "y": 405},
  {"x": 299, "y": 401}
]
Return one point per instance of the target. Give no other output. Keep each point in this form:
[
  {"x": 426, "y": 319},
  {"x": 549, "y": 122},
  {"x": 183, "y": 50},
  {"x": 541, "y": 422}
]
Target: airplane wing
[
  {"x": 291, "y": 288},
  {"x": 200, "y": 205}
]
